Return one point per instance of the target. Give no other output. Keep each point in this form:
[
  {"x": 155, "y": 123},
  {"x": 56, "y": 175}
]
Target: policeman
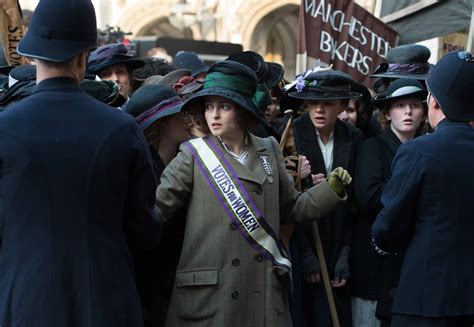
[
  {"x": 428, "y": 206},
  {"x": 77, "y": 188}
]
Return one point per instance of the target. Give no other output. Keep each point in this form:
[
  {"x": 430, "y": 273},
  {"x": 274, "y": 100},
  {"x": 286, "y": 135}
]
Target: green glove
[{"x": 337, "y": 179}]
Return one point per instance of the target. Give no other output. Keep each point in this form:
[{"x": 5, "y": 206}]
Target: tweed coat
[
  {"x": 77, "y": 188},
  {"x": 221, "y": 280}
]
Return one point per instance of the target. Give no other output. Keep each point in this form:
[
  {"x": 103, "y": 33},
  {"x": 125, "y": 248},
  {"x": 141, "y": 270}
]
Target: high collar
[
  {"x": 392, "y": 136},
  {"x": 251, "y": 142},
  {"x": 253, "y": 169},
  {"x": 447, "y": 122},
  {"x": 55, "y": 83},
  {"x": 391, "y": 139}
]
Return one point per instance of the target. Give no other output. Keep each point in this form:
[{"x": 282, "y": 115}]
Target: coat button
[
  {"x": 235, "y": 262},
  {"x": 259, "y": 190},
  {"x": 235, "y": 295},
  {"x": 259, "y": 258},
  {"x": 233, "y": 226},
  {"x": 270, "y": 179}
]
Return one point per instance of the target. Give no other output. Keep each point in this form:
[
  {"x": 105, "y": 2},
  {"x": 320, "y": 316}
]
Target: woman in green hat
[{"x": 233, "y": 269}]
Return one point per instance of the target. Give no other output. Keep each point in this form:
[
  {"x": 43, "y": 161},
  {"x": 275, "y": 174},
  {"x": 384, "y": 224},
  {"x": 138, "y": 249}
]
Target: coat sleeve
[
  {"x": 176, "y": 184},
  {"x": 393, "y": 226},
  {"x": 309, "y": 206},
  {"x": 369, "y": 181},
  {"x": 2, "y": 218},
  {"x": 142, "y": 224}
]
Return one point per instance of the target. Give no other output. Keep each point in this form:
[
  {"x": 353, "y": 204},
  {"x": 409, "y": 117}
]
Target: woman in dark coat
[
  {"x": 327, "y": 142},
  {"x": 374, "y": 278},
  {"x": 157, "y": 110}
]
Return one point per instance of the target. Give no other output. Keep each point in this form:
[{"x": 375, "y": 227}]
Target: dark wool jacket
[
  {"x": 427, "y": 210},
  {"x": 78, "y": 192}
]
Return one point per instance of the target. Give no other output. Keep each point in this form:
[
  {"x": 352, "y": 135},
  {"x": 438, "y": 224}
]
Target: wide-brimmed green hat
[{"x": 231, "y": 80}]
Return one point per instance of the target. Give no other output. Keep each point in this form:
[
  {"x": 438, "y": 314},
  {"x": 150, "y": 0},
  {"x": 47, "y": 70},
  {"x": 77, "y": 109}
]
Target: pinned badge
[{"x": 266, "y": 165}]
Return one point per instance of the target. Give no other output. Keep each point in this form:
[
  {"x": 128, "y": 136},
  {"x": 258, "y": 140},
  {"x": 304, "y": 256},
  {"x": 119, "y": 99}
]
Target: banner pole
[
  {"x": 325, "y": 275},
  {"x": 470, "y": 37}
]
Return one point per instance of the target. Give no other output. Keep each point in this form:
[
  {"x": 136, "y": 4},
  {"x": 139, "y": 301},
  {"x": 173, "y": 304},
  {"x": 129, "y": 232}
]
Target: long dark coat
[
  {"x": 427, "y": 209},
  {"x": 335, "y": 229},
  {"x": 373, "y": 277},
  {"x": 78, "y": 191},
  {"x": 156, "y": 268}
]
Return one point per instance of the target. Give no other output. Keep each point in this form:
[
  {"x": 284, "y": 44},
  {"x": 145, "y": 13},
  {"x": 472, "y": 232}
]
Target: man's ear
[
  {"x": 82, "y": 58},
  {"x": 433, "y": 102}
]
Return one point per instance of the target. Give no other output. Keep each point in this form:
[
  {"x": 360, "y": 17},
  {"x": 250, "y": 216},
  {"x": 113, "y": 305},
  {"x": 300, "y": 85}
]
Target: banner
[
  {"x": 452, "y": 42},
  {"x": 342, "y": 33},
  {"x": 12, "y": 30}
]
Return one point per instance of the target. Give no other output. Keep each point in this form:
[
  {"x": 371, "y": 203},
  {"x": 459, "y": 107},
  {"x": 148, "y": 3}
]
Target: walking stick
[{"x": 325, "y": 274}]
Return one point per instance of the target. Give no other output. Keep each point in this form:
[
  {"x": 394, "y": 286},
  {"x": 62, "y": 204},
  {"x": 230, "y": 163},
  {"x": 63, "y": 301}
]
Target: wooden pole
[
  {"x": 470, "y": 38},
  {"x": 325, "y": 275}
]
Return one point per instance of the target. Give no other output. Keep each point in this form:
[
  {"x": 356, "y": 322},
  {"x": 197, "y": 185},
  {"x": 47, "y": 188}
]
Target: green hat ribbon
[
  {"x": 231, "y": 82},
  {"x": 262, "y": 98}
]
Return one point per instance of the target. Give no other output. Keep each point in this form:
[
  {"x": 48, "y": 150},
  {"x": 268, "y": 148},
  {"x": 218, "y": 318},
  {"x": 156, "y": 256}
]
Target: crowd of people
[{"x": 155, "y": 192}]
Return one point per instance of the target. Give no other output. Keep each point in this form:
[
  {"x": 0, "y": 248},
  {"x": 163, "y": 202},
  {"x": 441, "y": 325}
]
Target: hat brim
[
  {"x": 235, "y": 97},
  {"x": 5, "y": 70},
  {"x": 275, "y": 74},
  {"x": 56, "y": 50},
  {"x": 319, "y": 95},
  {"x": 200, "y": 70},
  {"x": 383, "y": 100},
  {"x": 396, "y": 75},
  {"x": 131, "y": 63},
  {"x": 3, "y": 85},
  {"x": 191, "y": 88},
  {"x": 161, "y": 114},
  {"x": 287, "y": 102},
  {"x": 172, "y": 77}
]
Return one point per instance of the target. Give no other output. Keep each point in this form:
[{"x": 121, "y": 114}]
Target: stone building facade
[{"x": 266, "y": 26}]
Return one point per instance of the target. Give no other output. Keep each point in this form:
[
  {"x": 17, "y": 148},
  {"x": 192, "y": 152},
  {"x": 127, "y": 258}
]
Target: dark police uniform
[
  {"x": 77, "y": 190},
  {"x": 428, "y": 210}
]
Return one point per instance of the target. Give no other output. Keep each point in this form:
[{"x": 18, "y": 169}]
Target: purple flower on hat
[{"x": 300, "y": 83}]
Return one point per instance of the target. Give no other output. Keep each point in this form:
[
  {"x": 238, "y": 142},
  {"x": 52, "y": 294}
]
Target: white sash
[{"x": 237, "y": 203}]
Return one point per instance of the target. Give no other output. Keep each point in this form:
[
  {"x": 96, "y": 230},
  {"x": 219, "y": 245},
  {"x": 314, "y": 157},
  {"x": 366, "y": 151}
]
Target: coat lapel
[
  {"x": 308, "y": 144},
  {"x": 342, "y": 146},
  {"x": 391, "y": 140},
  {"x": 257, "y": 150},
  {"x": 253, "y": 170}
]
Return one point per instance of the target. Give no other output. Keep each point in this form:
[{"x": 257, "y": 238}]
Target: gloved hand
[
  {"x": 341, "y": 269},
  {"x": 310, "y": 267},
  {"x": 337, "y": 179}
]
